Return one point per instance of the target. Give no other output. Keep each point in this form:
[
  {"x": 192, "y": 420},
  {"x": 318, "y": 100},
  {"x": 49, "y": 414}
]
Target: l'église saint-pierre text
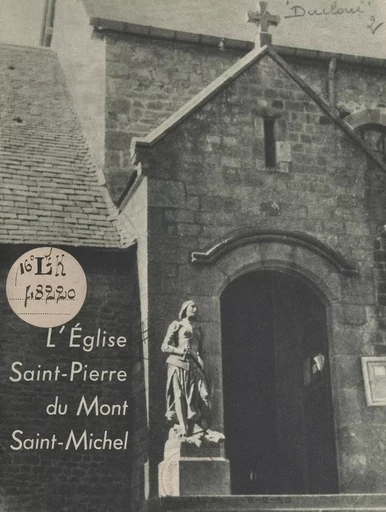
[{"x": 74, "y": 372}]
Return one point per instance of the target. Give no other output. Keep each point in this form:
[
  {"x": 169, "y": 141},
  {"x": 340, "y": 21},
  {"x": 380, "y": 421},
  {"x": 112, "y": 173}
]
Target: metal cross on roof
[{"x": 263, "y": 20}]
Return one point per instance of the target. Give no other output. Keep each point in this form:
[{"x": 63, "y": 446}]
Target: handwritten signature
[{"x": 298, "y": 11}]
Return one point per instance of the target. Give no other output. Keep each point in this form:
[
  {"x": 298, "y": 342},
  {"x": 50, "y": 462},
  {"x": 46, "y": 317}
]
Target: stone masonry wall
[
  {"x": 147, "y": 81},
  {"x": 74, "y": 480},
  {"x": 380, "y": 274},
  {"x": 207, "y": 178},
  {"x": 357, "y": 86}
]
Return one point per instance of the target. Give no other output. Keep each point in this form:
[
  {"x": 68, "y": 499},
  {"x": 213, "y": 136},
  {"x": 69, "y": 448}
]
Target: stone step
[{"x": 274, "y": 503}]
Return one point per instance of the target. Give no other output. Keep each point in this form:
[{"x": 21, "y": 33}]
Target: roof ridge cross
[{"x": 263, "y": 20}]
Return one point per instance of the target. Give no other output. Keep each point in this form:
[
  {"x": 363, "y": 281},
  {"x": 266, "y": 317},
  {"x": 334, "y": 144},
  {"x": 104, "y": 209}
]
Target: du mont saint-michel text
[{"x": 77, "y": 372}]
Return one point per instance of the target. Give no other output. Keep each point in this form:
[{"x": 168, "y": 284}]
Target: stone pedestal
[
  {"x": 194, "y": 476},
  {"x": 190, "y": 469}
]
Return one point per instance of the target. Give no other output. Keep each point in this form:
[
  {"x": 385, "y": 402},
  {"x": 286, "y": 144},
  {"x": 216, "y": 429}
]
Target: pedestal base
[
  {"x": 194, "y": 476},
  {"x": 194, "y": 466}
]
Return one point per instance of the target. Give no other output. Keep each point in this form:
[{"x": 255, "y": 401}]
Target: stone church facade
[{"x": 253, "y": 180}]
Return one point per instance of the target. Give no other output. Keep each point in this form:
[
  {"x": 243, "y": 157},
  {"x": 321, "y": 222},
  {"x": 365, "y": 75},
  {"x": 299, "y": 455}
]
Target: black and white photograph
[{"x": 193, "y": 255}]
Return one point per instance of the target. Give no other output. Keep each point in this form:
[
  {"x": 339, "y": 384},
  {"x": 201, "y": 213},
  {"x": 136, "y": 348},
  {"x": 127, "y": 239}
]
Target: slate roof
[{"x": 49, "y": 188}]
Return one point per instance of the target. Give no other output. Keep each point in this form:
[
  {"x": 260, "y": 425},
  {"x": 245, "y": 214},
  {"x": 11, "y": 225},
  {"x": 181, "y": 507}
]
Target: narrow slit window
[{"x": 269, "y": 143}]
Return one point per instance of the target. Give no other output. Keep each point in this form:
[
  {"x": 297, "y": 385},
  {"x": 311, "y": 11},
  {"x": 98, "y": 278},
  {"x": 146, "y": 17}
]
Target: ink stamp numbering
[{"x": 46, "y": 287}]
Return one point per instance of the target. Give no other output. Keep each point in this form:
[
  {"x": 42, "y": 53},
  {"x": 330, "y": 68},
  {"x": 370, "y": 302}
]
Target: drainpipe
[
  {"x": 332, "y": 85},
  {"x": 48, "y": 23}
]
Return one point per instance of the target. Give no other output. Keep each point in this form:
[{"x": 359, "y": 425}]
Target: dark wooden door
[{"x": 277, "y": 398}]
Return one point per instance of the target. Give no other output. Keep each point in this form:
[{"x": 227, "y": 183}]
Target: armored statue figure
[{"x": 187, "y": 396}]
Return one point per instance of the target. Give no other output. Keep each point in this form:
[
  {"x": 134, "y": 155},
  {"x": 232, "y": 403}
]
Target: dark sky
[{"x": 303, "y": 24}]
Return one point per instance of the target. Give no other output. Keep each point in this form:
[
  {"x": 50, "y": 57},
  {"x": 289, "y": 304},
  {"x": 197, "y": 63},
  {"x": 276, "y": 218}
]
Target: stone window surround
[
  {"x": 378, "y": 129},
  {"x": 366, "y": 116},
  {"x": 374, "y": 118}
]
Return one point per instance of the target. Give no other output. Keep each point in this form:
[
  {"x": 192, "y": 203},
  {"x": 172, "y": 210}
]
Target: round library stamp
[
  {"x": 46, "y": 287},
  {"x": 169, "y": 476}
]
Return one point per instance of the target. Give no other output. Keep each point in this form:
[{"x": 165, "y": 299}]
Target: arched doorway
[{"x": 277, "y": 398}]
